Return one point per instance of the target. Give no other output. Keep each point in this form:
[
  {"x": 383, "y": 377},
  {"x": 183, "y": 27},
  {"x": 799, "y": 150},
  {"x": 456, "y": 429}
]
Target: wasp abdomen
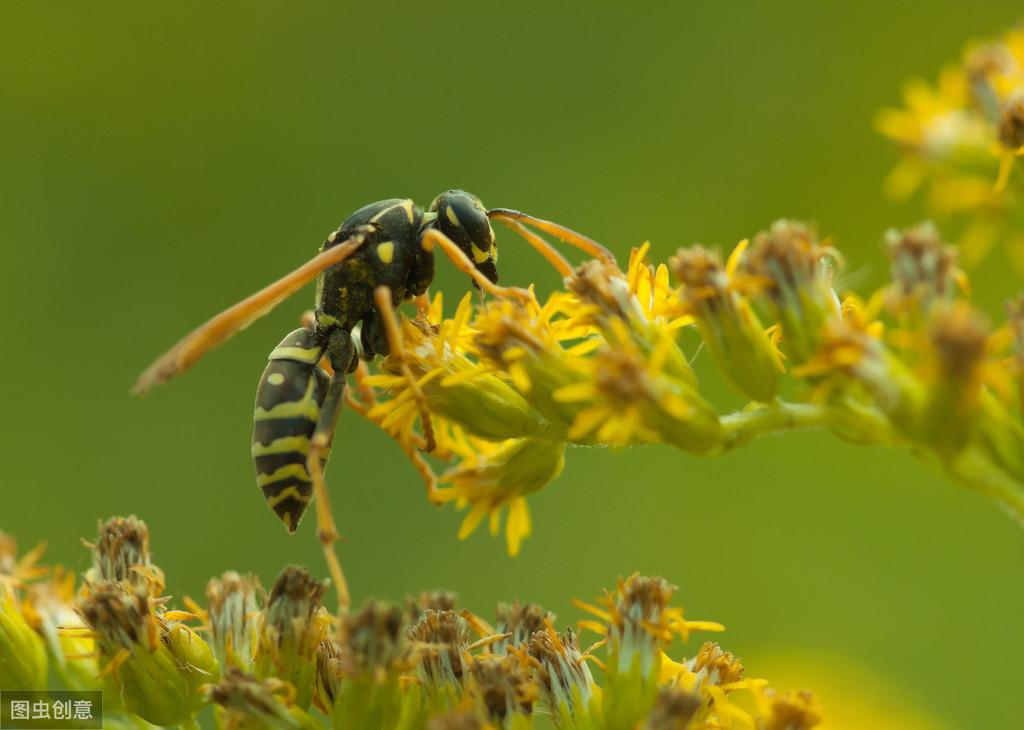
[{"x": 288, "y": 403}]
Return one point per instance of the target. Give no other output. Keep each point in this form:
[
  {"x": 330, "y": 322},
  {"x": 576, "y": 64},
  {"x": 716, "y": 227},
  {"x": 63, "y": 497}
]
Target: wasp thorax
[{"x": 463, "y": 218}]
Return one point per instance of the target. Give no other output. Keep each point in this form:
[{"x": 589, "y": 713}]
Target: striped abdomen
[{"x": 288, "y": 402}]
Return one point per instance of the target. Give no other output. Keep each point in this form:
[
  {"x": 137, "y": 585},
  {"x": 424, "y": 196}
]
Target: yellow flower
[
  {"x": 235, "y": 605},
  {"x": 159, "y": 665},
  {"x": 739, "y": 343},
  {"x": 496, "y": 476},
  {"x": 22, "y": 652},
  {"x": 294, "y": 623},
  {"x": 638, "y": 621}
]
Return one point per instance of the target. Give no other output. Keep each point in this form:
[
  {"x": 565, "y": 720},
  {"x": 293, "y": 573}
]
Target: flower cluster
[
  {"x": 961, "y": 141},
  {"x": 509, "y": 385},
  {"x": 276, "y": 660}
]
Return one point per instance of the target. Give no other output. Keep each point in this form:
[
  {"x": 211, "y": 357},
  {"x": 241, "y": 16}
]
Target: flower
[
  {"x": 235, "y": 610},
  {"x": 292, "y": 626},
  {"x": 246, "y": 702},
  {"x": 713, "y": 295},
  {"x": 562, "y": 673},
  {"x": 121, "y": 555},
  {"x": 159, "y": 665},
  {"x": 494, "y": 477}
]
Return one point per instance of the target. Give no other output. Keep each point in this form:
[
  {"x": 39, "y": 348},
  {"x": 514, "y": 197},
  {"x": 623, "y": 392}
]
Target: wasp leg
[
  {"x": 545, "y": 249},
  {"x": 217, "y": 330},
  {"x": 419, "y": 464},
  {"x": 340, "y": 351},
  {"x": 393, "y": 339},
  {"x": 432, "y": 237},
  {"x": 588, "y": 245}
]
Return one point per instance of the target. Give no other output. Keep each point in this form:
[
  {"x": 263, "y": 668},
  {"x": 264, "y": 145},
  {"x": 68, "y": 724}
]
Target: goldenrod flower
[
  {"x": 795, "y": 270},
  {"x": 441, "y": 643},
  {"x": 503, "y": 689},
  {"x": 234, "y": 610},
  {"x": 924, "y": 271},
  {"x": 121, "y": 555},
  {"x": 674, "y": 708},
  {"x": 429, "y": 601},
  {"x": 962, "y": 140},
  {"x": 158, "y": 665},
  {"x": 500, "y": 476},
  {"x": 372, "y": 654},
  {"x": 713, "y": 294},
  {"x": 49, "y": 609},
  {"x": 563, "y": 675},
  {"x": 293, "y": 625},
  {"x": 22, "y": 652},
  {"x": 519, "y": 621},
  {"x": 247, "y": 703}
]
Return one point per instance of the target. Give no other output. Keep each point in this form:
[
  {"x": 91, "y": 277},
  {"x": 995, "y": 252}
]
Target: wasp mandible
[{"x": 380, "y": 256}]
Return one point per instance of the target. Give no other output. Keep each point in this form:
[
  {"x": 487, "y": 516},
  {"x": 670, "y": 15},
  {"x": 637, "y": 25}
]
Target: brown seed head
[
  {"x": 789, "y": 255},
  {"x": 430, "y": 601},
  {"x": 793, "y": 710},
  {"x": 502, "y": 687},
  {"x": 441, "y": 640},
  {"x": 372, "y": 640},
  {"x": 1011, "y": 122},
  {"x": 121, "y": 554},
  {"x": 674, "y": 709},
  {"x": 701, "y": 272},
  {"x": 520, "y": 620},
  {"x": 959, "y": 337},
  {"x": 923, "y": 267}
]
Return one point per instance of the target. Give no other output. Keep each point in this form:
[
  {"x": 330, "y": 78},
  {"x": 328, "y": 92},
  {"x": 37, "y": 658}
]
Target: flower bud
[
  {"x": 121, "y": 555},
  {"x": 796, "y": 273},
  {"x": 158, "y": 666},
  {"x": 235, "y": 604},
  {"x": 246, "y": 703},
  {"x": 924, "y": 272},
  {"x": 520, "y": 620},
  {"x": 563, "y": 675},
  {"x": 293, "y": 625},
  {"x": 502, "y": 477},
  {"x": 729, "y": 327},
  {"x": 441, "y": 642}
]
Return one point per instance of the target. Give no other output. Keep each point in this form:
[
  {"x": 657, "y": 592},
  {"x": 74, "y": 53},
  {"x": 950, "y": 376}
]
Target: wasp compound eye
[{"x": 463, "y": 219}]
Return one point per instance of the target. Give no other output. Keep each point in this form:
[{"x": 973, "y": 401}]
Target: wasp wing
[{"x": 219, "y": 329}]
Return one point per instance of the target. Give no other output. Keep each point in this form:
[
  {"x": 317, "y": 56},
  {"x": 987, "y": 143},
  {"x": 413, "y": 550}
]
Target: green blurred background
[{"x": 159, "y": 163}]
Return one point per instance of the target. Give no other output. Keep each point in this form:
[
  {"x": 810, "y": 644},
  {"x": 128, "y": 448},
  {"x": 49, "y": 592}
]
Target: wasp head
[{"x": 463, "y": 218}]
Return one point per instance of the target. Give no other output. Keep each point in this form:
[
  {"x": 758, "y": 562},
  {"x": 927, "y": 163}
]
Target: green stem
[
  {"x": 743, "y": 427},
  {"x": 190, "y": 724},
  {"x": 974, "y": 471}
]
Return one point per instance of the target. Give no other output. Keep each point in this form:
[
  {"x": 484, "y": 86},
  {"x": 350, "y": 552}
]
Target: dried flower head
[
  {"x": 159, "y": 665},
  {"x": 561, "y": 672},
  {"x": 235, "y": 604},
  {"x": 924, "y": 271},
  {"x": 372, "y": 641},
  {"x": 246, "y": 702},
  {"x": 121, "y": 555},
  {"x": 293, "y": 625},
  {"x": 520, "y": 621},
  {"x": 674, "y": 709},
  {"x": 502, "y": 687},
  {"x": 441, "y": 641}
]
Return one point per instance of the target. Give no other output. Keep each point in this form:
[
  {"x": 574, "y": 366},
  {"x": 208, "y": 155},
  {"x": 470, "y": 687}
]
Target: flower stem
[{"x": 743, "y": 427}]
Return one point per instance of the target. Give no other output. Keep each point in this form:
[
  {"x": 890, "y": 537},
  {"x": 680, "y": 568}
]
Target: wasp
[{"x": 380, "y": 256}]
